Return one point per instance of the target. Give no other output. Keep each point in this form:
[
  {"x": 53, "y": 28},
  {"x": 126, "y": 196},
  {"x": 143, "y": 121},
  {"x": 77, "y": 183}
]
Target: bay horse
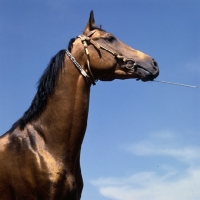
[{"x": 40, "y": 154}]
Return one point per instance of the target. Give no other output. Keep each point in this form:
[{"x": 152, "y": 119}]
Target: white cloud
[
  {"x": 172, "y": 184},
  {"x": 149, "y": 186}
]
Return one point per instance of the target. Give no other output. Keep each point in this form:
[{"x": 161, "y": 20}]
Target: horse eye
[{"x": 110, "y": 38}]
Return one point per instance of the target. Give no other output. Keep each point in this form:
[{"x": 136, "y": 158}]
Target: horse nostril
[
  {"x": 156, "y": 68},
  {"x": 155, "y": 64}
]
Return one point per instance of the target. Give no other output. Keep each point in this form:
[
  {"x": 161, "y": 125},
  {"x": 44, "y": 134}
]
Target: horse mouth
[{"x": 145, "y": 75}]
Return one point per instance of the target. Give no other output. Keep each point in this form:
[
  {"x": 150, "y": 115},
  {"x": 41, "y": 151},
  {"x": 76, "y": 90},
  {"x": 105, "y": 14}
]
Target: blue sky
[{"x": 142, "y": 140}]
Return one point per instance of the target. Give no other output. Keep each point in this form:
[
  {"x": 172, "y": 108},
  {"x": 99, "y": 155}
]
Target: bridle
[{"x": 87, "y": 39}]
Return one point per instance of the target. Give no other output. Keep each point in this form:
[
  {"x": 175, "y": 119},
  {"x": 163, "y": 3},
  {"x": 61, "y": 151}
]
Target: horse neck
[{"x": 63, "y": 123}]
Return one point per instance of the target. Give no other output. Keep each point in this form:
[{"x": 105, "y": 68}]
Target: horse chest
[{"x": 36, "y": 172}]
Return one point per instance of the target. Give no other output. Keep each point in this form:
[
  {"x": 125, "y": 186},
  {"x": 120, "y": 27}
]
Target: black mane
[{"x": 45, "y": 87}]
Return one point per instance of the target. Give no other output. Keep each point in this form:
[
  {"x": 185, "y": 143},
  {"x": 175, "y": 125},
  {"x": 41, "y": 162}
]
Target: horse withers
[{"x": 40, "y": 154}]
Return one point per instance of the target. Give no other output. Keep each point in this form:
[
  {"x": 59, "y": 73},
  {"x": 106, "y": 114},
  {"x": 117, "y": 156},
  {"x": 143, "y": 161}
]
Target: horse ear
[{"x": 90, "y": 25}]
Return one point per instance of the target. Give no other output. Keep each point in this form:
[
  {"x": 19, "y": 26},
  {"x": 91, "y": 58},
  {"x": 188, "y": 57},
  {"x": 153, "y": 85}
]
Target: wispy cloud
[
  {"x": 172, "y": 184},
  {"x": 165, "y": 144}
]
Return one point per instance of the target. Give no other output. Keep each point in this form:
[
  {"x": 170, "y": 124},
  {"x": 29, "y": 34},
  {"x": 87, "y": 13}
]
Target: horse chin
[
  {"x": 145, "y": 79},
  {"x": 107, "y": 78}
]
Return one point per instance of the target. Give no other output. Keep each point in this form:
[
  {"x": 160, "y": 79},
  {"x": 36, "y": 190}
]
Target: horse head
[{"x": 110, "y": 59}]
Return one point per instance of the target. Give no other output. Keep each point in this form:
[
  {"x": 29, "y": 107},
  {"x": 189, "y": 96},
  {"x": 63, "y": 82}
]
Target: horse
[{"x": 40, "y": 154}]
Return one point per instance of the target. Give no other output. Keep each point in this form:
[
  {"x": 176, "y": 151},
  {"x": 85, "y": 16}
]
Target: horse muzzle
[{"x": 146, "y": 70}]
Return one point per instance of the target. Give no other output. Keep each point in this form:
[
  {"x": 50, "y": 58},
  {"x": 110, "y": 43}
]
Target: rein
[
  {"x": 178, "y": 84},
  {"x": 85, "y": 40}
]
